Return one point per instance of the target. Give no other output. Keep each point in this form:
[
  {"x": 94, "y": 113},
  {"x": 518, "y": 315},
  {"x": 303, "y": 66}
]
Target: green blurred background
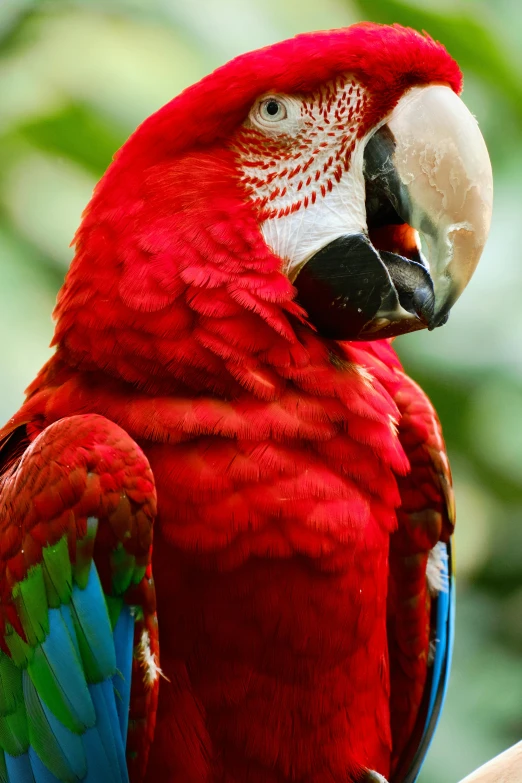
[{"x": 76, "y": 77}]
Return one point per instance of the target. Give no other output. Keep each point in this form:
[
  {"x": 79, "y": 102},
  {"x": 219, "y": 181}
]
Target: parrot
[{"x": 226, "y": 512}]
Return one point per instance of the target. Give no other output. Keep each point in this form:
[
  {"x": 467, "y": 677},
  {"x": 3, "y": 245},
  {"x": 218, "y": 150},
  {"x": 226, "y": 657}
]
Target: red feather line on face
[{"x": 287, "y": 172}]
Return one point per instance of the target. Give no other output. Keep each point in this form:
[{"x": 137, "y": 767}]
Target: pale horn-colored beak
[{"x": 441, "y": 159}]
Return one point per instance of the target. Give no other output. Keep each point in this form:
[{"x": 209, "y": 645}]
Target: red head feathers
[{"x": 387, "y": 60}]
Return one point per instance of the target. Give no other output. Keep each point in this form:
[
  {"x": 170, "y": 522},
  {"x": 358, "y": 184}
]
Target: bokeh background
[{"x": 77, "y": 77}]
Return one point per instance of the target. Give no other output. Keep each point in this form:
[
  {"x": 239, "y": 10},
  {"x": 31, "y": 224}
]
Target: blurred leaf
[
  {"x": 495, "y": 406},
  {"x": 27, "y": 295},
  {"x": 44, "y": 196},
  {"x": 78, "y": 133},
  {"x": 12, "y": 15}
]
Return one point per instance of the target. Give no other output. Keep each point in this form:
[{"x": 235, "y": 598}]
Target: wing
[
  {"x": 421, "y": 587},
  {"x": 77, "y": 505}
]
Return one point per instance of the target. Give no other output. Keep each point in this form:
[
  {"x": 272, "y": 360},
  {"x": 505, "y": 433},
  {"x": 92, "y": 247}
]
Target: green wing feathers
[{"x": 76, "y": 517}]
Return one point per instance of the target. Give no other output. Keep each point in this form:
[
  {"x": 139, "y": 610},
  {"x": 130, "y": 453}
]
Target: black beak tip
[
  {"x": 423, "y": 302},
  {"x": 439, "y": 320}
]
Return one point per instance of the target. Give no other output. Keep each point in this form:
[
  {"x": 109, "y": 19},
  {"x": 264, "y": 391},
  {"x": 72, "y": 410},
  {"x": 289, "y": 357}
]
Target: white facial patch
[{"x": 303, "y": 168}]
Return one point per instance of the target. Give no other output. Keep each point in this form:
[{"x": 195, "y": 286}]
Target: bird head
[
  {"x": 336, "y": 176},
  {"x": 370, "y": 179}
]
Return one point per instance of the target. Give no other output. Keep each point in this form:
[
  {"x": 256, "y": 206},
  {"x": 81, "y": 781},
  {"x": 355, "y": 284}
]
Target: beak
[{"x": 429, "y": 195}]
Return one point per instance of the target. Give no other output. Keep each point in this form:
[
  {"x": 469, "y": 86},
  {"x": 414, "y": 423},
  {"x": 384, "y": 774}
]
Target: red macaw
[{"x": 224, "y": 387}]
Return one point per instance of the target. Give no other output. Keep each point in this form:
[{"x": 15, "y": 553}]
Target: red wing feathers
[
  {"x": 425, "y": 517},
  {"x": 77, "y": 505}
]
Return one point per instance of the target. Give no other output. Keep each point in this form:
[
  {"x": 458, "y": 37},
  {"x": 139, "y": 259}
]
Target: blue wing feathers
[
  {"x": 19, "y": 769},
  {"x": 63, "y": 750},
  {"x": 76, "y": 694},
  {"x": 40, "y": 772},
  {"x": 91, "y": 618},
  {"x": 100, "y": 769},
  {"x": 441, "y": 639},
  {"x": 123, "y": 644},
  {"x": 108, "y": 727},
  {"x": 65, "y": 611},
  {"x": 444, "y": 636},
  {"x": 64, "y": 677}
]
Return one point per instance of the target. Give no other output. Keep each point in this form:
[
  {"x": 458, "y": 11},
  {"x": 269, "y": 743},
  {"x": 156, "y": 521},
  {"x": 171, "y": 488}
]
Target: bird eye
[{"x": 272, "y": 110}]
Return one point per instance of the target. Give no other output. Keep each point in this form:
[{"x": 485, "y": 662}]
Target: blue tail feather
[
  {"x": 65, "y": 611},
  {"x": 90, "y": 612},
  {"x": 438, "y": 682},
  {"x": 108, "y": 727},
  {"x": 124, "y": 644},
  {"x": 443, "y": 640},
  {"x": 58, "y": 656},
  {"x": 19, "y": 769},
  {"x": 49, "y": 738},
  {"x": 99, "y": 767},
  {"x": 40, "y": 771}
]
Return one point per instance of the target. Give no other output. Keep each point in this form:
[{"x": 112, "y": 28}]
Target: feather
[
  {"x": 10, "y": 685},
  {"x": 30, "y": 600},
  {"x": 19, "y": 769},
  {"x": 123, "y": 644},
  {"x": 14, "y": 737},
  {"x": 440, "y": 669},
  {"x": 108, "y": 725},
  {"x": 93, "y": 629},
  {"x": 57, "y": 573},
  {"x": 99, "y": 767},
  {"x": 84, "y": 550},
  {"x": 58, "y": 748},
  {"x": 57, "y": 674},
  {"x": 40, "y": 771}
]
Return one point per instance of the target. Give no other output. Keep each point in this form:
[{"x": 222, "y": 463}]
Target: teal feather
[
  {"x": 19, "y": 769},
  {"x": 61, "y": 751},
  {"x": 100, "y": 770},
  {"x": 108, "y": 726},
  {"x": 40, "y": 771},
  {"x": 57, "y": 674},
  {"x": 65, "y": 611},
  {"x": 93, "y": 629},
  {"x": 123, "y": 644},
  {"x": 439, "y": 675}
]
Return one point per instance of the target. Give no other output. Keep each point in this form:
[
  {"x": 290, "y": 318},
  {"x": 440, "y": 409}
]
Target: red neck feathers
[{"x": 173, "y": 288}]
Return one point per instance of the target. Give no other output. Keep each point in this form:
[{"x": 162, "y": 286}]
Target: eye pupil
[{"x": 272, "y": 108}]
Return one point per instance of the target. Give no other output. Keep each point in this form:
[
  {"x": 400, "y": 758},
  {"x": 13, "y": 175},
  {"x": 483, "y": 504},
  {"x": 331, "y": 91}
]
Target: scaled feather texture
[{"x": 294, "y": 486}]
